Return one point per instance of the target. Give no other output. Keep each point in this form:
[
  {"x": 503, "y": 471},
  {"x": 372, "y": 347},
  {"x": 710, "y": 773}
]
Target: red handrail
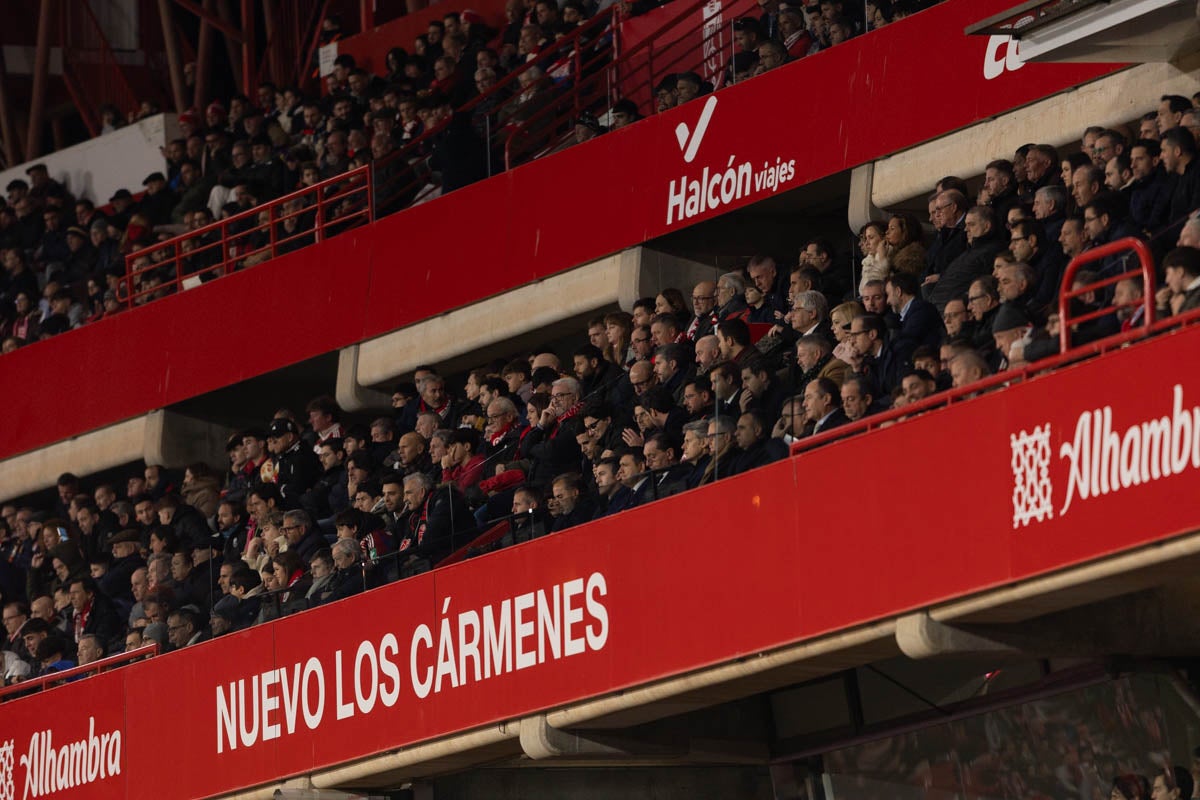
[
  {"x": 41, "y": 682},
  {"x": 411, "y": 152},
  {"x": 998, "y": 381},
  {"x": 337, "y": 204},
  {"x": 581, "y": 94},
  {"x": 1146, "y": 269},
  {"x": 90, "y": 68},
  {"x": 487, "y": 537}
]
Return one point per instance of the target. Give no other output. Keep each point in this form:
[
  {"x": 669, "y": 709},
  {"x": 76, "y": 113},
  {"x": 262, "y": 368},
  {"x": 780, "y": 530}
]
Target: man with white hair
[
  {"x": 438, "y": 522},
  {"x": 553, "y": 445},
  {"x": 731, "y": 297}
]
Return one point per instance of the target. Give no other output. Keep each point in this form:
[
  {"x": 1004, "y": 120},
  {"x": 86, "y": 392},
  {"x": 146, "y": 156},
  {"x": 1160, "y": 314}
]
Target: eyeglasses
[
  {"x": 290, "y": 528},
  {"x": 562, "y": 395},
  {"x": 695, "y": 298},
  {"x": 858, "y": 333},
  {"x": 640, "y": 341}
]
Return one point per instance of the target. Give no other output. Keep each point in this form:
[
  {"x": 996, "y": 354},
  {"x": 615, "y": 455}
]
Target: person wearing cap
[
  {"x": 116, "y": 582},
  {"x": 266, "y": 170},
  {"x": 158, "y": 200},
  {"x": 81, "y": 257},
  {"x": 1010, "y": 326},
  {"x": 41, "y": 184},
  {"x": 123, "y": 208},
  {"x": 296, "y": 466}
]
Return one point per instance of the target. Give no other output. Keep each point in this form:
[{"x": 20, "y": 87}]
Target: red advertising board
[
  {"x": 802, "y": 122},
  {"x": 1053, "y": 472}
]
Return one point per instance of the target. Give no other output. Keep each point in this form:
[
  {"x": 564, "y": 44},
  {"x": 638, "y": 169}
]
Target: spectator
[
  {"x": 1182, "y": 292},
  {"x": 983, "y": 243}
]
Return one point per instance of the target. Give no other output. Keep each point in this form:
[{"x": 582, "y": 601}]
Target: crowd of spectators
[
  {"x": 682, "y": 391},
  {"x": 669, "y": 397},
  {"x": 425, "y": 126}
]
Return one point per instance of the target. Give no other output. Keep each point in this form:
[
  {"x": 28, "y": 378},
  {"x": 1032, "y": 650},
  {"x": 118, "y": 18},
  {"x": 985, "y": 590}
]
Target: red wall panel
[
  {"x": 859, "y": 530},
  {"x": 858, "y": 101}
]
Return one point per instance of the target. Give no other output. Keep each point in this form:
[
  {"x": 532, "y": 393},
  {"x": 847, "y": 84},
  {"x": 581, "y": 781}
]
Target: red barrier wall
[
  {"x": 525, "y": 224},
  {"x": 764, "y": 560}
]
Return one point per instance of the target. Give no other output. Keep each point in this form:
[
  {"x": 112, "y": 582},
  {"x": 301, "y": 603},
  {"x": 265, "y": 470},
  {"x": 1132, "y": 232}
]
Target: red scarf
[{"x": 81, "y": 619}]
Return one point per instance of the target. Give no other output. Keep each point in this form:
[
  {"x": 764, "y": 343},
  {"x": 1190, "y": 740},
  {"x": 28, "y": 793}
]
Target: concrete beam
[
  {"x": 1142, "y": 623},
  {"x": 920, "y": 637},
  {"x": 160, "y": 437},
  {"x": 500, "y": 324},
  {"x": 539, "y": 740},
  {"x": 1058, "y": 120}
]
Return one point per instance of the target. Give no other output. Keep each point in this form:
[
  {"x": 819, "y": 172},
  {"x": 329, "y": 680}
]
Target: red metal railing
[
  {"x": 590, "y": 89},
  {"x": 296, "y": 220},
  {"x": 492, "y": 534},
  {"x": 1145, "y": 270},
  {"x": 42, "y": 682},
  {"x": 1003, "y": 379},
  {"x": 91, "y": 71},
  {"x": 406, "y": 170}
]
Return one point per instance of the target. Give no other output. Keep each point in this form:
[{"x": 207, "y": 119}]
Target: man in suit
[
  {"x": 878, "y": 359},
  {"x": 753, "y": 437},
  {"x": 614, "y": 495},
  {"x": 822, "y": 405},
  {"x": 920, "y": 323}
]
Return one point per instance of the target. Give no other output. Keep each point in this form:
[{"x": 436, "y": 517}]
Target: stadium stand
[{"x": 1059, "y": 251}]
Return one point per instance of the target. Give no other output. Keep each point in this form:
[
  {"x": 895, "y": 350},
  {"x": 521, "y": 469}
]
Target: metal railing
[
  {"x": 43, "y": 682},
  {"x": 1144, "y": 270},
  {"x": 401, "y": 175},
  {"x": 306, "y": 216},
  {"x": 1002, "y": 380},
  {"x": 91, "y": 71}
]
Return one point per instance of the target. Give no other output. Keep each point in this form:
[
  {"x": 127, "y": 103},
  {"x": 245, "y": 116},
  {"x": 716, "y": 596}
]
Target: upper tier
[{"x": 846, "y": 106}]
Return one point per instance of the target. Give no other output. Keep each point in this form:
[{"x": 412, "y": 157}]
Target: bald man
[{"x": 704, "y": 302}]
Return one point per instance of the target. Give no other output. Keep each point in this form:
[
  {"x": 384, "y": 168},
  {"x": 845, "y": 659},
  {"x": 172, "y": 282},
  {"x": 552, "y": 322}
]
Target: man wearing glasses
[
  {"x": 947, "y": 212},
  {"x": 704, "y": 300},
  {"x": 553, "y": 440}
]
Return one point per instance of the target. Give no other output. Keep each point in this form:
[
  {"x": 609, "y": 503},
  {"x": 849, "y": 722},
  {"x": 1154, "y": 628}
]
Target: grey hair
[
  {"x": 346, "y": 547},
  {"x": 733, "y": 279},
  {"x": 813, "y": 301}
]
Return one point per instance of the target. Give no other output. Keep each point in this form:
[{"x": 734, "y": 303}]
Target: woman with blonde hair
[{"x": 840, "y": 318}]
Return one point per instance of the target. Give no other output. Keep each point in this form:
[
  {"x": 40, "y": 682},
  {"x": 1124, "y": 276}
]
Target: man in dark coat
[
  {"x": 296, "y": 466},
  {"x": 983, "y": 243},
  {"x": 439, "y": 522}
]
